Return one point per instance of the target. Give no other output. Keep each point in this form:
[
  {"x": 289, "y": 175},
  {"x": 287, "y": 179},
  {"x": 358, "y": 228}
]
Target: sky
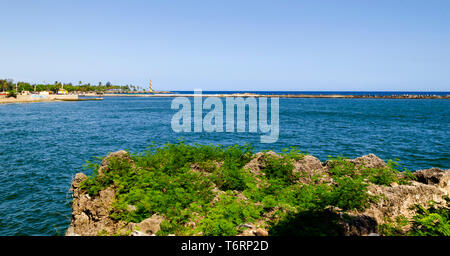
[{"x": 230, "y": 45}]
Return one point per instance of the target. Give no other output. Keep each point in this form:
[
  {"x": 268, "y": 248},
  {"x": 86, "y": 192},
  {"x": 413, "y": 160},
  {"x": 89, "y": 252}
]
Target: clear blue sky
[{"x": 230, "y": 45}]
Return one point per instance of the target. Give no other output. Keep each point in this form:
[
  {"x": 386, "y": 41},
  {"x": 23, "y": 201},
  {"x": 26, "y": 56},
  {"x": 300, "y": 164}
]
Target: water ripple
[{"x": 44, "y": 144}]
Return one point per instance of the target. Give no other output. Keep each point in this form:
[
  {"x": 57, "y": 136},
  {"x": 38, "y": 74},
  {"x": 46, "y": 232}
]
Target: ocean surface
[
  {"x": 43, "y": 145},
  {"x": 371, "y": 93}
]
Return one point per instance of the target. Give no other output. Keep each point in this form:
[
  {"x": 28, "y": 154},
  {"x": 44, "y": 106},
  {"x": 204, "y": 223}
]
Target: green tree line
[{"x": 10, "y": 85}]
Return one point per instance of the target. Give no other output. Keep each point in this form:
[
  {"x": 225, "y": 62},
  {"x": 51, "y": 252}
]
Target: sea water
[{"x": 43, "y": 145}]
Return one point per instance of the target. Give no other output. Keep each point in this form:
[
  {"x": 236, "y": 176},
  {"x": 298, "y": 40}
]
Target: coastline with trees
[
  {"x": 24, "y": 92},
  {"x": 7, "y": 85},
  {"x": 10, "y": 90}
]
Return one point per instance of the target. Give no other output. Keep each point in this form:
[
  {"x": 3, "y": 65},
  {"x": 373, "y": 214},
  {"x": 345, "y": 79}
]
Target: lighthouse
[{"x": 150, "y": 87}]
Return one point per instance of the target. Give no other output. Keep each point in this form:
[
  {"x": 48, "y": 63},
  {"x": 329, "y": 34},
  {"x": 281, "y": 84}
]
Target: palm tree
[{"x": 3, "y": 84}]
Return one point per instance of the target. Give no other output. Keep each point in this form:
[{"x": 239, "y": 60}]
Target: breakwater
[{"x": 312, "y": 96}]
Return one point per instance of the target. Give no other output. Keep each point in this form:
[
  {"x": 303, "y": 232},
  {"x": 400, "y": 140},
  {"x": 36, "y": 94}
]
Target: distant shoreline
[
  {"x": 326, "y": 96},
  {"x": 80, "y": 97},
  {"x": 48, "y": 98}
]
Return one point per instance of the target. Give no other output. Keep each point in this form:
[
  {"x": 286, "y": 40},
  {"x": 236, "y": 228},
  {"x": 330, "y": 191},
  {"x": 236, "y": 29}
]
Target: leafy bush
[
  {"x": 162, "y": 181},
  {"x": 279, "y": 168},
  {"x": 229, "y": 213},
  {"x": 350, "y": 194},
  {"x": 387, "y": 175},
  {"x": 432, "y": 221},
  {"x": 393, "y": 228},
  {"x": 230, "y": 177}
]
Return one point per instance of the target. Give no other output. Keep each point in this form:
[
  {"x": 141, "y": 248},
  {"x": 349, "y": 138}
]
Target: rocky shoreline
[{"x": 91, "y": 214}]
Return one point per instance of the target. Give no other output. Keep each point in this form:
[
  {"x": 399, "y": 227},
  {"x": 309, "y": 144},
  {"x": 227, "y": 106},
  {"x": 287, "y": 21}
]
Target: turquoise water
[{"x": 43, "y": 145}]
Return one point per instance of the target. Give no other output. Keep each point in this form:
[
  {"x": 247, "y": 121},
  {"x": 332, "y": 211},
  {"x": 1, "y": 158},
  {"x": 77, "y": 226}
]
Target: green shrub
[
  {"x": 231, "y": 177},
  {"x": 381, "y": 176},
  {"x": 350, "y": 194},
  {"x": 280, "y": 169},
  {"x": 229, "y": 213},
  {"x": 387, "y": 175},
  {"x": 393, "y": 228},
  {"x": 161, "y": 181},
  {"x": 340, "y": 167}
]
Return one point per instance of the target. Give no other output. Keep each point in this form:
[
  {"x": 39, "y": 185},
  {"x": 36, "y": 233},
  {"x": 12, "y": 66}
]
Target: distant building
[
  {"x": 63, "y": 91},
  {"x": 150, "y": 87}
]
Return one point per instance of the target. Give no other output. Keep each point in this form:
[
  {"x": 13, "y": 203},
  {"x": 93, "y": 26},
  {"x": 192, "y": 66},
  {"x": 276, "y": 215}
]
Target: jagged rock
[
  {"x": 261, "y": 232},
  {"x": 398, "y": 200},
  {"x": 90, "y": 215},
  {"x": 121, "y": 154},
  {"x": 246, "y": 225},
  {"x": 79, "y": 178},
  {"x": 369, "y": 161},
  {"x": 435, "y": 176},
  {"x": 308, "y": 163},
  {"x": 308, "y": 167},
  {"x": 151, "y": 225},
  {"x": 253, "y": 231},
  {"x": 247, "y": 232},
  {"x": 250, "y": 229},
  {"x": 259, "y": 162},
  {"x": 393, "y": 202}
]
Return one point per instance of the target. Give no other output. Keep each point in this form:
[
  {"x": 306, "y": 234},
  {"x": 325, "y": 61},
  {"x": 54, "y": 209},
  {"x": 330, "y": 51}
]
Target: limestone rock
[
  {"x": 151, "y": 225},
  {"x": 369, "y": 161},
  {"x": 309, "y": 167},
  {"x": 261, "y": 232},
  {"x": 90, "y": 214},
  {"x": 398, "y": 200},
  {"x": 435, "y": 176},
  {"x": 79, "y": 178},
  {"x": 122, "y": 154}
]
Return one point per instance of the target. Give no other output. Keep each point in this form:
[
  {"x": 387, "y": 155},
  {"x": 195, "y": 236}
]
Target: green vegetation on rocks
[
  {"x": 432, "y": 220},
  {"x": 218, "y": 190}
]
